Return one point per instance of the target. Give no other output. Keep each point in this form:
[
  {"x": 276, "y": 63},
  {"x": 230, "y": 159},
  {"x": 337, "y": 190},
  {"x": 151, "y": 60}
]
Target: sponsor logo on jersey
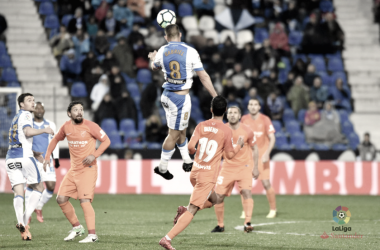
[
  {"x": 258, "y": 134},
  {"x": 77, "y": 144},
  {"x": 210, "y": 129},
  {"x": 201, "y": 167}
]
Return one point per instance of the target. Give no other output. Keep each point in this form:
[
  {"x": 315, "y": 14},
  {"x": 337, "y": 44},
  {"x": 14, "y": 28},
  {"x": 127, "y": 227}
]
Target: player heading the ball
[{"x": 178, "y": 61}]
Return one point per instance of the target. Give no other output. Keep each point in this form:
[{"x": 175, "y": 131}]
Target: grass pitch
[{"x": 139, "y": 222}]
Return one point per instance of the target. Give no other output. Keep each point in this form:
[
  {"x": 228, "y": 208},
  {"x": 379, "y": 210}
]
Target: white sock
[
  {"x": 18, "y": 203},
  {"x": 32, "y": 204},
  {"x": 28, "y": 192},
  {"x": 184, "y": 152},
  {"x": 46, "y": 196},
  {"x": 167, "y": 237},
  {"x": 166, "y": 155}
]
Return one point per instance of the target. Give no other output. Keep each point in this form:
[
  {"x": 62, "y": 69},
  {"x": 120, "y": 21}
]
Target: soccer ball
[
  {"x": 341, "y": 215},
  {"x": 166, "y": 17}
]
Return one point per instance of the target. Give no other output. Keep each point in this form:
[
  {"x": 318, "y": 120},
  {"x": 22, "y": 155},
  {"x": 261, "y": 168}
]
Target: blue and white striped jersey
[
  {"x": 41, "y": 142},
  {"x": 178, "y": 61},
  {"x": 20, "y": 146}
]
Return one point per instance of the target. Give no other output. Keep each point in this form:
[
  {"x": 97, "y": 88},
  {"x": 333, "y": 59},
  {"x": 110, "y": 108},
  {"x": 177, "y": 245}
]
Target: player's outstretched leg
[
  {"x": 183, "y": 149},
  {"x": 219, "y": 211},
  {"x": 271, "y": 196},
  {"x": 180, "y": 211},
  {"x": 89, "y": 216},
  {"x": 31, "y": 205},
  {"x": 46, "y": 196}
]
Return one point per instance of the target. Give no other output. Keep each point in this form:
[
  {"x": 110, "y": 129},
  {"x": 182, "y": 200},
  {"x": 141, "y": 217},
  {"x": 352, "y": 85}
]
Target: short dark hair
[
  {"x": 21, "y": 98},
  {"x": 235, "y": 107},
  {"x": 172, "y": 30},
  {"x": 255, "y": 99},
  {"x": 219, "y": 105},
  {"x": 367, "y": 134},
  {"x": 72, "y": 104}
]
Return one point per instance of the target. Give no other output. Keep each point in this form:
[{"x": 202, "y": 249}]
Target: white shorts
[
  {"x": 177, "y": 109},
  {"x": 23, "y": 170},
  {"x": 49, "y": 175}
]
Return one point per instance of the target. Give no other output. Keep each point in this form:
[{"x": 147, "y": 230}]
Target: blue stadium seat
[
  {"x": 284, "y": 147},
  {"x": 335, "y": 64},
  {"x": 313, "y": 56},
  {"x": 299, "y": 56},
  {"x": 13, "y": 84},
  {"x": 302, "y": 146},
  {"x": 280, "y": 138},
  {"x": 128, "y": 79},
  {"x": 168, "y": 6},
  {"x": 339, "y": 147},
  {"x": 325, "y": 78},
  {"x": 142, "y": 126},
  {"x": 326, "y": 6},
  {"x": 9, "y": 75},
  {"x": 259, "y": 19},
  {"x": 114, "y": 138},
  {"x": 260, "y": 35},
  {"x": 343, "y": 115},
  {"x": 109, "y": 125},
  {"x": 301, "y": 116},
  {"x": 5, "y": 61},
  {"x": 3, "y": 48},
  {"x": 297, "y": 138},
  {"x": 286, "y": 61},
  {"x": 66, "y": 19},
  {"x": 3, "y": 113},
  {"x": 137, "y": 145},
  {"x": 288, "y": 115},
  {"x": 321, "y": 147},
  {"x": 53, "y": 32},
  {"x": 138, "y": 19},
  {"x": 347, "y": 127},
  {"x": 46, "y": 8},
  {"x": 79, "y": 90},
  {"x": 353, "y": 138},
  {"x": 319, "y": 64},
  {"x": 346, "y": 105},
  {"x": 144, "y": 76},
  {"x": 127, "y": 125},
  {"x": 137, "y": 100},
  {"x": 277, "y": 125},
  {"x": 282, "y": 76},
  {"x": 336, "y": 75},
  {"x": 292, "y": 126},
  {"x": 133, "y": 89},
  {"x": 51, "y": 22},
  {"x": 338, "y": 54},
  {"x": 185, "y": 9},
  {"x": 154, "y": 145},
  {"x": 295, "y": 38}
]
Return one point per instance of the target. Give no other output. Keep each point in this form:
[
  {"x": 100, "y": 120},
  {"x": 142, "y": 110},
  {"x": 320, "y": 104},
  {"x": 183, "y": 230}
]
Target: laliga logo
[{"x": 341, "y": 215}]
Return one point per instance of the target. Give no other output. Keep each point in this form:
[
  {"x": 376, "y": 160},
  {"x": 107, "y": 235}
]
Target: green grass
[{"x": 139, "y": 222}]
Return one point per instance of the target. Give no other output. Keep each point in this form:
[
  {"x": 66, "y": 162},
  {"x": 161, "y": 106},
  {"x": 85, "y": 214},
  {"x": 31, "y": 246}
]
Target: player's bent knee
[
  {"x": 246, "y": 194},
  {"x": 50, "y": 186},
  {"x": 62, "y": 199}
]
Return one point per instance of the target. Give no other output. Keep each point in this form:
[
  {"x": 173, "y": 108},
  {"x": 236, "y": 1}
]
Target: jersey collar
[{"x": 175, "y": 42}]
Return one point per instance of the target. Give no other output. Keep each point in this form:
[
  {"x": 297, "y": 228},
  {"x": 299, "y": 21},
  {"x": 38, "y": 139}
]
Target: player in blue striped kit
[
  {"x": 178, "y": 61},
  {"x": 40, "y": 144}
]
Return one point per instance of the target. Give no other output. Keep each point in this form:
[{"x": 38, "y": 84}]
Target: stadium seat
[
  {"x": 338, "y": 74},
  {"x": 338, "y": 54},
  {"x": 5, "y": 61},
  {"x": 154, "y": 145},
  {"x": 319, "y": 64},
  {"x": 206, "y": 23},
  {"x": 128, "y": 79},
  {"x": 347, "y": 127},
  {"x": 288, "y": 115},
  {"x": 191, "y": 33},
  {"x": 13, "y": 84},
  {"x": 53, "y": 32},
  {"x": 144, "y": 76},
  {"x": 295, "y": 38},
  {"x": 302, "y": 146},
  {"x": 280, "y": 138},
  {"x": 168, "y": 6},
  {"x": 286, "y": 61},
  {"x": 46, "y": 8},
  {"x": 343, "y": 115},
  {"x": 339, "y": 147},
  {"x": 219, "y": 8},
  {"x": 114, "y": 138},
  {"x": 260, "y": 35},
  {"x": 285, "y": 147},
  {"x": 137, "y": 145},
  {"x": 325, "y": 78},
  {"x": 297, "y": 138},
  {"x": 142, "y": 126},
  {"x": 3, "y": 48},
  {"x": 51, "y": 22},
  {"x": 301, "y": 116},
  {"x": 79, "y": 90},
  {"x": 299, "y": 56},
  {"x": 292, "y": 126},
  {"x": 321, "y": 147},
  {"x": 212, "y": 34},
  {"x": 185, "y": 9},
  {"x": 3, "y": 113},
  {"x": 335, "y": 64},
  {"x": 66, "y": 19},
  {"x": 224, "y": 34},
  {"x": 190, "y": 23},
  {"x": 127, "y": 125},
  {"x": 243, "y": 37},
  {"x": 354, "y": 140},
  {"x": 282, "y": 76},
  {"x": 133, "y": 89},
  {"x": 9, "y": 75},
  {"x": 137, "y": 100},
  {"x": 138, "y": 19},
  {"x": 277, "y": 125},
  {"x": 259, "y": 20},
  {"x": 326, "y": 6},
  {"x": 108, "y": 125}
]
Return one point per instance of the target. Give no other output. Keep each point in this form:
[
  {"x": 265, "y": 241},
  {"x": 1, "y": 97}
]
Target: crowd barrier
[{"x": 292, "y": 178}]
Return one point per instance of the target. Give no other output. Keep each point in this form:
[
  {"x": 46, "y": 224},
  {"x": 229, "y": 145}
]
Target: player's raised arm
[
  {"x": 206, "y": 81},
  {"x": 193, "y": 140},
  {"x": 155, "y": 58},
  {"x": 55, "y": 154}
]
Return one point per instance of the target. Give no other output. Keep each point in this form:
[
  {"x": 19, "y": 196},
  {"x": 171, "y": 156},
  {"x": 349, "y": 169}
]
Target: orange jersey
[
  {"x": 82, "y": 141},
  {"x": 244, "y": 156},
  {"x": 213, "y": 137},
  {"x": 261, "y": 127}
]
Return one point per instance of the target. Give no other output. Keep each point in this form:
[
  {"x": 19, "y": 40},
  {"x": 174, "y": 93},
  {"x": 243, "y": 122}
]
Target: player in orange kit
[
  {"x": 213, "y": 137},
  {"x": 79, "y": 182},
  {"x": 264, "y": 131},
  {"x": 239, "y": 169}
]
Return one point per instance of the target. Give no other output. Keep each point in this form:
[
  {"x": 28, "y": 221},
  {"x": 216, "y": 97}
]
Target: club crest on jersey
[{"x": 83, "y": 133}]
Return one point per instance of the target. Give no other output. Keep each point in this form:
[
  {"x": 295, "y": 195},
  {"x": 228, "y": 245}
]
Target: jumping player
[
  {"x": 239, "y": 169},
  {"x": 264, "y": 131},
  {"x": 213, "y": 138},
  {"x": 79, "y": 182},
  {"x": 178, "y": 61},
  {"x": 40, "y": 144},
  {"x": 21, "y": 165}
]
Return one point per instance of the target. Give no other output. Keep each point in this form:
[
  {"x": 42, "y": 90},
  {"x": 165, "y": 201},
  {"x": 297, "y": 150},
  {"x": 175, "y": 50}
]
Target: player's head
[
  {"x": 233, "y": 115},
  {"x": 26, "y": 102},
  {"x": 75, "y": 111},
  {"x": 172, "y": 33},
  {"x": 218, "y": 105},
  {"x": 254, "y": 106},
  {"x": 39, "y": 111}
]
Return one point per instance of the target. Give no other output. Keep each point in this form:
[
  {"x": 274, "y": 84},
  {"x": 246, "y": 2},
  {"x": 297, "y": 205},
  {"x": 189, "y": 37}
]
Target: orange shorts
[
  {"x": 231, "y": 174},
  {"x": 203, "y": 185},
  {"x": 79, "y": 184},
  {"x": 263, "y": 170}
]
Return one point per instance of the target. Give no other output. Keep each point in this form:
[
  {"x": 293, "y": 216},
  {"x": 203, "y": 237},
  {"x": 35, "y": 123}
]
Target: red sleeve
[
  {"x": 269, "y": 126},
  {"x": 228, "y": 146},
  {"x": 60, "y": 136},
  {"x": 194, "y": 140},
  {"x": 100, "y": 135}
]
